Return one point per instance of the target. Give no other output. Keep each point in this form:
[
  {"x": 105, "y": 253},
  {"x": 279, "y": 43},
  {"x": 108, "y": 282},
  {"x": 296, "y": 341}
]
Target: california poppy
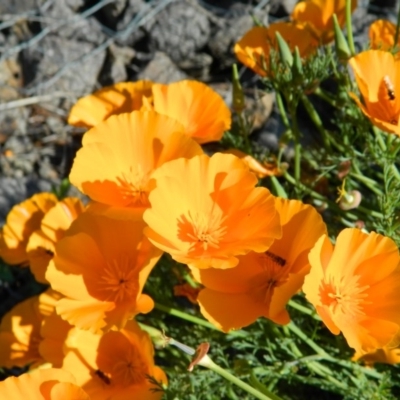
[
  {"x": 253, "y": 49},
  {"x": 56, "y": 221},
  {"x": 120, "y": 98},
  {"x": 42, "y": 384},
  {"x": 113, "y": 365},
  {"x": 202, "y": 111},
  {"x": 205, "y": 211},
  {"x": 317, "y": 15},
  {"x": 381, "y": 35},
  {"x": 262, "y": 283},
  {"x": 101, "y": 266},
  {"x": 377, "y": 74},
  {"x": 351, "y": 294},
  {"x": 22, "y": 220},
  {"x": 20, "y": 330},
  {"x": 131, "y": 146}
]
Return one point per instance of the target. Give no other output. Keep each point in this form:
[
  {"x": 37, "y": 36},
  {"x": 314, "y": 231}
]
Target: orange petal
[
  {"x": 116, "y": 99},
  {"x": 200, "y": 109}
]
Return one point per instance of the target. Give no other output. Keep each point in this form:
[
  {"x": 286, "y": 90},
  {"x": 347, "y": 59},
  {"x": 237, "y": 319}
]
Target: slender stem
[
  {"x": 326, "y": 96},
  {"x": 304, "y": 310},
  {"x": 210, "y": 364},
  {"x": 187, "y": 317},
  {"x": 379, "y": 138},
  {"x": 369, "y": 183},
  {"x": 282, "y": 110},
  {"x": 191, "y": 318},
  {"x": 316, "y": 120},
  {"x": 319, "y": 350},
  {"x": 349, "y": 27},
  {"x": 297, "y": 144}
]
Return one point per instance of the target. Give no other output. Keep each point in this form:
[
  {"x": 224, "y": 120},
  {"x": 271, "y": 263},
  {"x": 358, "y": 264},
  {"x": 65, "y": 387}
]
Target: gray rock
[
  {"x": 75, "y": 5},
  {"x": 14, "y": 121},
  {"x": 118, "y": 61},
  {"x": 197, "y": 65},
  {"x": 128, "y": 24},
  {"x": 180, "y": 30},
  {"x": 110, "y": 13},
  {"x": 19, "y": 156},
  {"x": 18, "y": 6},
  {"x": 161, "y": 69},
  {"x": 63, "y": 65},
  {"x": 65, "y": 22}
]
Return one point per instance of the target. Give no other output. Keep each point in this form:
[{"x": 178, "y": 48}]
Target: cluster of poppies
[{"x": 152, "y": 189}]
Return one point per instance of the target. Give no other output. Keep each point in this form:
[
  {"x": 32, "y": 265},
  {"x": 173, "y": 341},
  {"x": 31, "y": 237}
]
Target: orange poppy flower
[
  {"x": 253, "y": 49},
  {"x": 132, "y": 146},
  {"x": 259, "y": 169},
  {"x": 317, "y": 15},
  {"x": 381, "y": 35},
  {"x": 20, "y": 330},
  {"x": 120, "y": 98},
  {"x": 385, "y": 355},
  {"x": 377, "y": 73},
  {"x": 22, "y": 220},
  {"x": 40, "y": 247},
  {"x": 113, "y": 365},
  {"x": 351, "y": 294},
  {"x": 42, "y": 384},
  {"x": 205, "y": 211},
  {"x": 101, "y": 266},
  {"x": 200, "y": 109},
  {"x": 262, "y": 283}
]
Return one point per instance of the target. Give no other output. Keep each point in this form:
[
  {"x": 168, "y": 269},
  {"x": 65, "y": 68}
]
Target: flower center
[
  {"x": 133, "y": 188},
  {"x": 130, "y": 370},
  {"x": 345, "y": 297},
  {"x": 119, "y": 279},
  {"x": 203, "y": 231},
  {"x": 275, "y": 274}
]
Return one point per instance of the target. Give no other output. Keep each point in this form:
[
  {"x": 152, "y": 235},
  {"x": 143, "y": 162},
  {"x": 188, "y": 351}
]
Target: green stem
[
  {"x": 326, "y": 97},
  {"x": 349, "y": 27},
  {"x": 304, "y": 310},
  {"x": 210, "y": 364},
  {"x": 316, "y": 120},
  {"x": 369, "y": 183},
  {"x": 297, "y": 144},
  {"x": 282, "y": 111},
  {"x": 195, "y": 320},
  {"x": 379, "y": 138}
]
